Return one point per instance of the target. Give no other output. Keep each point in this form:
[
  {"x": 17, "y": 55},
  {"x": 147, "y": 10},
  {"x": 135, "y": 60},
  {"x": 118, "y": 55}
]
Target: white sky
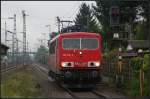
[{"x": 41, "y": 13}]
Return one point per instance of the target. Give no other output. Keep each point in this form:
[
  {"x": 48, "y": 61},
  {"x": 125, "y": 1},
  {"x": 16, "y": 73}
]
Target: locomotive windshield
[
  {"x": 89, "y": 43},
  {"x": 71, "y": 43},
  {"x": 80, "y": 43}
]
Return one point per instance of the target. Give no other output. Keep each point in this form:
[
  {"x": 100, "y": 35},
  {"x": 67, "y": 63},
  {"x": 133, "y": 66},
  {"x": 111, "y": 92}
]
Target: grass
[
  {"x": 132, "y": 88},
  {"x": 20, "y": 84}
]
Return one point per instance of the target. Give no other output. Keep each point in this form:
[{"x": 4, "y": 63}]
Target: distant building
[
  {"x": 135, "y": 45},
  {"x": 131, "y": 47},
  {"x": 3, "y": 49},
  {"x": 3, "y": 53}
]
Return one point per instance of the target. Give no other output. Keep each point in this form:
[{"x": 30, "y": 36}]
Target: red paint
[{"x": 80, "y": 60}]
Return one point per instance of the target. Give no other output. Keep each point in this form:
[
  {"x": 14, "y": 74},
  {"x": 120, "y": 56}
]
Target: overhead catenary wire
[{"x": 9, "y": 30}]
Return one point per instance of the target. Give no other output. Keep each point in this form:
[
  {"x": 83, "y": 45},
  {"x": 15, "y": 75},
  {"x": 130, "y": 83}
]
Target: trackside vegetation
[
  {"x": 132, "y": 87},
  {"x": 131, "y": 75},
  {"x": 21, "y": 84}
]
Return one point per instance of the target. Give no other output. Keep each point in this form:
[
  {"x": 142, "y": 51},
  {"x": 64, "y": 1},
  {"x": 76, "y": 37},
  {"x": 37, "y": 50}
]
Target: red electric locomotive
[{"x": 75, "y": 58}]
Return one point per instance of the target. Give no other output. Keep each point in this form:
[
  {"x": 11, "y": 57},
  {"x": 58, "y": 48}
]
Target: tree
[
  {"x": 140, "y": 31},
  {"x": 129, "y": 10},
  {"x": 86, "y": 19},
  {"x": 101, "y": 11}
]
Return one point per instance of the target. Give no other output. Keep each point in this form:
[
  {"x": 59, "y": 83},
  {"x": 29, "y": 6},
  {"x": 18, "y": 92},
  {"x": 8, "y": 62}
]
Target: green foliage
[
  {"x": 146, "y": 62},
  {"x": 132, "y": 87},
  {"x": 140, "y": 30},
  {"x": 20, "y": 85},
  {"x": 146, "y": 67},
  {"x": 113, "y": 53},
  {"x": 146, "y": 92},
  {"x": 101, "y": 12},
  {"x": 136, "y": 63},
  {"x": 86, "y": 19},
  {"x": 128, "y": 12}
]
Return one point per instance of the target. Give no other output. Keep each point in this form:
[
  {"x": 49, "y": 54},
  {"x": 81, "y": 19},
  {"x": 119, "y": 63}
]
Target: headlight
[
  {"x": 67, "y": 64},
  {"x": 63, "y": 64},
  {"x": 97, "y": 63},
  {"x": 93, "y": 64}
]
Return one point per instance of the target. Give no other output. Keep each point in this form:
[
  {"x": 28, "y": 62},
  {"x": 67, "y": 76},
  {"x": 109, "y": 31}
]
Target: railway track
[
  {"x": 61, "y": 91},
  {"x": 43, "y": 71},
  {"x": 8, "y": 69},
  {"x": 77, "y": 93},
  {"x": 72, "y": 93}
]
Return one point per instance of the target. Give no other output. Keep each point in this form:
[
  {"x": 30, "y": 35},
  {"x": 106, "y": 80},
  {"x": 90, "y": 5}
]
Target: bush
[
  {"x": 146, "y": 62},
  {"x": 132, "y": 87},
  {"x": 136, "y": 63}
]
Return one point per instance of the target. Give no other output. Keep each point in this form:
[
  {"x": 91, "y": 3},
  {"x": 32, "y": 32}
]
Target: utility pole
[
  {"x": 15, "y": 36},
  {"x": 24, "y": 36},
  {"x": 58, "y": 21},
  {"x": 5, "y": 33},
  {"x": 27, "y": 58},
  {"x": 27, "y": 47},
  {"x": 13, "y": 39},
  {"x": 17, "y": 50}
]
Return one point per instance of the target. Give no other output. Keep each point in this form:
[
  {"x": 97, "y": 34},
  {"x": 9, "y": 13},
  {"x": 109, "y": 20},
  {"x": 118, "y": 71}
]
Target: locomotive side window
[
  {"x": 89, "y": 43},
  {"x": 52, "y": 47}
]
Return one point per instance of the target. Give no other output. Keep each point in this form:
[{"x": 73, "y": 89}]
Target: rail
[
  {"x": 8, "y": 69},
  {"x": 80, "y": 93}
]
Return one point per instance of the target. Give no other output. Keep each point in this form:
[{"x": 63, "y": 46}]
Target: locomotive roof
[
  {"x": 80, "y": 33},
  {"x": 75, "y": 33}
]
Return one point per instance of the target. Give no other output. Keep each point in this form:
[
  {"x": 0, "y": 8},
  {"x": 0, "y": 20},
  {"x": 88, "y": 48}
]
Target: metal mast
[
  {"x": 17, "y": 51},
  {"x": 24, "y": 36},
  {"x": 58, "y": 21},
  {"x": 13, "y": 39},
  {"x": 5, "y": 33}
]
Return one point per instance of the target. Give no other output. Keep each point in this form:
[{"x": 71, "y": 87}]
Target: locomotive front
[{"x": 80, "y": 58}]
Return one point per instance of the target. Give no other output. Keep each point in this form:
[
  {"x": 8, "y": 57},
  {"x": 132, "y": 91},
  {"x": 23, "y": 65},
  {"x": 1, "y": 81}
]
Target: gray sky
[{"x": 41, "y": 13}]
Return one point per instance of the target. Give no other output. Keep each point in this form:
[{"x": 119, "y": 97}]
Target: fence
[{"x": 110, "y": 68}]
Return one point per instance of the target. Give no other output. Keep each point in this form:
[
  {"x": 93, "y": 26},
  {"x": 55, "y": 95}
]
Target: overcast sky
[{"x": 40, "y": 14}]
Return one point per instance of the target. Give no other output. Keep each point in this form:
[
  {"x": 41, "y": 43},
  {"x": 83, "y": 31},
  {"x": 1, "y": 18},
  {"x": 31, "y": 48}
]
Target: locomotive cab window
[
  {"x": 52, "y": 47},
  {"x": 89, "y": 43},
  {"x": 80, "y": 43},
  {"x": 71, "y": 43}
]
